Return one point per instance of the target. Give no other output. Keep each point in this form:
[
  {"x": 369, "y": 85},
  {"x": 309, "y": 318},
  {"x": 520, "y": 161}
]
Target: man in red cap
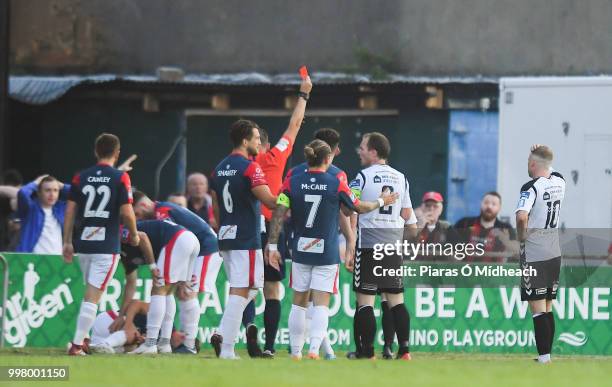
[{"x": 432, "y": 229}]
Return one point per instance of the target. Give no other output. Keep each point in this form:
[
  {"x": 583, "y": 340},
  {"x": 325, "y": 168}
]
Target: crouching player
[
  {"x": 204, "y": 270},
  {"x": 176, "y": 249},
  {"x": 314, "y": 197}
]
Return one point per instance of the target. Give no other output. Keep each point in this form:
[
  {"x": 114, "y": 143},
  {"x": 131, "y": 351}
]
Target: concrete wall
[{"x": 465, "y": 37}]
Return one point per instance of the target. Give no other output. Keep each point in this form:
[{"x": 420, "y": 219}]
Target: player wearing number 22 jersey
[
  {"x": 99, "y": 191},
  {"x": 100, "y": 197}
]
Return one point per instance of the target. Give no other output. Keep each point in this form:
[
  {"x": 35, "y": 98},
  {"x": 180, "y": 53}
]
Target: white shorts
[
  {"x": 100, "y": 330},
  {"x": 176, "y": 259},
  {"x": 306, "y": 277},
  {"x": 244, "y": 268},
  {"x": 204, "y": 273},
  {"x": 98, "y": 269}
]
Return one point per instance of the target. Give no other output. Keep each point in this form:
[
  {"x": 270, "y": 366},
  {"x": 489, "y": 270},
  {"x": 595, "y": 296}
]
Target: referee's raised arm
[{"x": 295, "y": 122}]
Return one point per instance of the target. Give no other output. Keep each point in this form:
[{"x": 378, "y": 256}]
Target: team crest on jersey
[{"x": 311, "y": 245}]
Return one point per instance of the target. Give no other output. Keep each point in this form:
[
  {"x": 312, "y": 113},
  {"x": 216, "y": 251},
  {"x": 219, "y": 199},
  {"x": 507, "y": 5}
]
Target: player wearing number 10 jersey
[
  {"x": 537, "y": 222},
  {"x": 238, "y": 185},
  {"x": 99, "y": 197}
]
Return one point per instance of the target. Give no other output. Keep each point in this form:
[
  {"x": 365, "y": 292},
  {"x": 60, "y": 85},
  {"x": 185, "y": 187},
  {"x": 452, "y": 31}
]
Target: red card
[{"x": 303, "y": 72}]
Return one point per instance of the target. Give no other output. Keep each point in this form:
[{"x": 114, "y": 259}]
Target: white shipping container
[{"x": 572, "y": 115}]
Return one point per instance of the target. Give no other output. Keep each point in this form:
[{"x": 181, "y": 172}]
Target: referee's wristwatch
[{"x": 303, "y": 95}]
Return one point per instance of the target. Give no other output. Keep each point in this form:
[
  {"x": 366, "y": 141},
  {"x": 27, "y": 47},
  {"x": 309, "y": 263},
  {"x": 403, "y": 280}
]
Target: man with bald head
[{"x": 198, "y": 199}]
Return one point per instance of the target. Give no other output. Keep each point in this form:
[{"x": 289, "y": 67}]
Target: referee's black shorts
[
  {"x": 365, "y": 280},
  {"x": 544, "y": 285},
  {"x": 270, "y": 273}
]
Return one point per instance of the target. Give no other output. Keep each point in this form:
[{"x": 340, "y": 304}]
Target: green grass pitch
[{"x": 426, "y": 369}]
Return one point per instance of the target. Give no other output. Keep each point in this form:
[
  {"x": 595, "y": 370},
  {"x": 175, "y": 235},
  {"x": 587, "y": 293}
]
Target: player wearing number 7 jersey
[
  {"x": 537, "y": 221},
  {"x": 99, "y": 197},
  {"x": 314, "y": 198},
  {"x": 238, "y": 185}
]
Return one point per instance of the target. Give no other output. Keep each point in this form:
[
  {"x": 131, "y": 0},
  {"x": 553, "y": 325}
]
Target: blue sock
[{"x": 248, "y": 316}]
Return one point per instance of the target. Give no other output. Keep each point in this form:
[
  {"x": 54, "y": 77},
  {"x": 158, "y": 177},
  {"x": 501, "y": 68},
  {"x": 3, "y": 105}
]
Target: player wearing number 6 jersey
[
  {"x": 383, "y": 226},
  {"x": 238, "y": 186},
  {"x": 537, "y": 222},
  {"x": 99, "y": 197},
  {"x": 314, "y": 197}
]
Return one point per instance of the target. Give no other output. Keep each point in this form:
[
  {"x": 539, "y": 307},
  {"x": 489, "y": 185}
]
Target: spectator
[
  {"x": 41, "y": 206},
  {"x": 431, "y": 228},
  {"x": 486, "y": 228},
  {"x": 178, "y": 198},
  {"x": 9, "y": 222},
  {"x": 198, "y": 199}
]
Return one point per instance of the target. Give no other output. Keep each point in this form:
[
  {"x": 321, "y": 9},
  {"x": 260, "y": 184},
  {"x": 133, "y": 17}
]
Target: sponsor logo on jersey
[
  {"x": 377, "y": 179},
  {"x": 355, "y": 183},
  {"x": 311, "y": 245},
  {"x": 228, "y": 232},
  {"x": 93, "y": 234},
  {"x": 546, "y": 196},
  {"x": 525, "y": 195}
]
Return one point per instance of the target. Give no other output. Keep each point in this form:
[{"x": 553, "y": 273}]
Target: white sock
[
  {"x": 318, "y": 327},
  {"x": 157, "y": 309},
  {"x": 326, "y": 346},
  {"x": 168, "y": 321},
  {"x": 544, "y": 358},
  {"x": 87, "y": 316},
  {"x": 230, "y": 323},
  {"x": 116, "y": 339},
  {"x": 297, "y": 328},
  {"x": 190, "y": 319},
  {"x": 309, "y": 311}
]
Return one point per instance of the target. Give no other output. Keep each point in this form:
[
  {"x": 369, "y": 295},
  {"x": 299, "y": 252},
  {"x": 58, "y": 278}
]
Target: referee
[
  {"x": 537, "y": 221},
  {"x": 386, "y": 225}
]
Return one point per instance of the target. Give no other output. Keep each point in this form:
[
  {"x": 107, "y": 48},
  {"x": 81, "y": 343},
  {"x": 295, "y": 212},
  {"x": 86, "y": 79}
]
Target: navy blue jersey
[
  {"x": 160, "y": 232},
  {"x": 239, "y": 212},
  {"x": 333, "y": 170},
  {"x": 192, "y": 222},
  {"x": 314, "y": 198},
  {"x": 99, "y": 192}
]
